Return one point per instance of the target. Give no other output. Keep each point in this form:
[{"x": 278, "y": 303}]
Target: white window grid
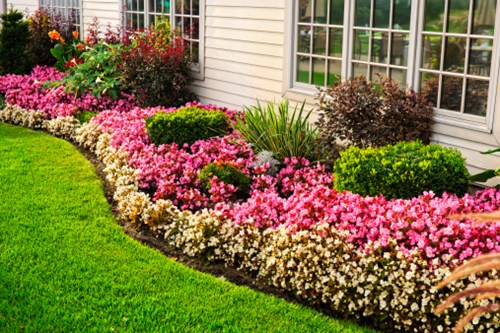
[
  {"x": 414, "y": 60},
  {"x": 68, "y": 9},
  {"x": 144, "y": 13}
]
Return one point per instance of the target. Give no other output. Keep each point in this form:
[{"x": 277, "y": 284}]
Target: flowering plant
[{"x": 67, "y": 54}]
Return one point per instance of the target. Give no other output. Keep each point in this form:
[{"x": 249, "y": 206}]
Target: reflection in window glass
[
  {"x": 360, "y": 70},
  {"x": 320, "y": 11},
  {"x": 305, "y": 11},
  {"x": 429, "y": 87},
  {"x": 431, "y": 52},
  {"x": 319, "y": 72},
  {"x": 454, "y": 54},
  {"x": 319, "y": 41},
  {"x": 337, "y": 12},
  {"x": 401, "y": 15},
  {"x": 361, "y": 38},
  {"x": 303, "y": 69},
  {"x": 476, "y": 98},
  {"x": 381, "y": 13},
  {"x": 362, "y": 14},
  {"x": 334, "y": 71},
  {"x": 480, "y": 57},
  {"x": 399, "y": 49},
  {"x": 483, "y": 22},
  {"x": 434, "y": 15},
  {"x": 336, "y": 36},
  {"x": 380, "y": 44},
  {"x": 451, "y": 93},
  {"x": 458, "y": 16}
]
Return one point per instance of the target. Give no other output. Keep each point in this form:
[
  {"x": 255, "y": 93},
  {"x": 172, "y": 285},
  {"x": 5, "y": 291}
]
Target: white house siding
[
  {"x": 28, "y": 6},
  {"x": 107, "y": 11},
  {"x": 244, "y": 52}
]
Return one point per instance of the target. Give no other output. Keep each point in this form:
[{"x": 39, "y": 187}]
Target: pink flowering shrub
[{"x": 30, "y": 92}]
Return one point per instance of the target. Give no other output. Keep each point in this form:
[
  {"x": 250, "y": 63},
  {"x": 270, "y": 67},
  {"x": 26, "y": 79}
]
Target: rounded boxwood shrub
[
  {"x": 403, "y": 170},
  {"x": 186, "y": 125},
  {"x": 227, "y": 172}
]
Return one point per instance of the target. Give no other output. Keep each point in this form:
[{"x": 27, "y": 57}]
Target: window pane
[
  {"x": 178, "y": 6},
  {"x": 484, "y": 17},
  {"x": 379, "y": 47},
  {"x": 335, "y": 48},
  {"x": 402, "y": 15},
  {"x": 165, "y": 5},
  {"x": 303, "y": 69},
  {"x": 359, "y": 69},
  {"x": 458, "y": 16},
  {"x": 337, "y": 12},
  {"x": 187, "y": 7},
  {"x": 361, "y": 45},
  {"x": 399, "y": 49},
  {"x": 320, "y": 11},
  {"x": 304, "y": 39},
  {"x": 431, "y": 52},
  {"x": 476, "y": 99},
  {"x": 377, "y": 72},
  {"x": 195, "y": 28},
  {"x": 305, "y": 11},
  {"x": 429, "y": 87},
  {"x": 151, "y": 5},
  {"x": 480, "y": 57},
  {"x": 381, "y": 13},
  {"x": 362, "y": 13},
  {"x": 196, "y": 7},
  {"x": 319, "y": 41},
  {"x": 398, "y": 75},
  {"x": 434, "y": 15},
  {"x": 451, "y": 93},
  {"x": 195, "y": 51},
  {"x": 319, "y": 72},
  {"x": 454, "y": 54},
  {"x": 334, "y": 71},
  {"x": 141, "y": 5}
]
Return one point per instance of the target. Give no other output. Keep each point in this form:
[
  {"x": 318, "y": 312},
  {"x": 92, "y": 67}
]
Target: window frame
[
  {"x": 458, "y": 119},
  {"x": 197, "y": 69}
]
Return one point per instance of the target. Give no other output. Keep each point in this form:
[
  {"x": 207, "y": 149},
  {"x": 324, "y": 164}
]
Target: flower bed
[{"x": 365, "y": 257}]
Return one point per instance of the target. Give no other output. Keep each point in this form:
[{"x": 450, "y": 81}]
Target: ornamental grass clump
[
  {"x": 287, "y": 133},
  {"x": 186, "y": 125},
  {"x": 372, "y": 114},
  {"x": 404, "y": 170}
]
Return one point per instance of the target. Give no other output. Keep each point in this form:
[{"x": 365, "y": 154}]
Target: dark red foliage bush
[
  {"x": 156, "y": 68},
  {"x": 367, "y": 114}
]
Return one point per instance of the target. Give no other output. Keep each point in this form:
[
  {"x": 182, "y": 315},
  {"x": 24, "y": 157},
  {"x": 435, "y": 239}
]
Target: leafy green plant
[
  {"x": 157, "y": 69},
  {"x": 14, "y": 38},
  {"x": 403, "y": 170},
  {"x": 285, "y": 133},
  {"x": 372, "y": 114},
  {"x": 186, "y": 125},
  {"x": 85, "y": 116},
  {"x": 67, "y": 54},
  {"x": 2, "y": 101},
  {"x": 98, "y": 73},
  {"x": 487, "y": 174},
  {"x": 227, "y": 172}
]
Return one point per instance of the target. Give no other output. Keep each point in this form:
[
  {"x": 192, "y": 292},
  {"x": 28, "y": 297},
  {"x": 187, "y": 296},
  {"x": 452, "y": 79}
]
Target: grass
[{"x": 66, "y": 266}]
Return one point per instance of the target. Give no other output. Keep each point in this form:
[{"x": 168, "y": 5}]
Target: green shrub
[
  {"x": 281, "y": 132},
  {"x": 403, "y": 170},
  {"x": 14, "y": 38},
  {"x": 372, "y": 114},
  {"x": 227, "y": 172},
  {"x": 85, "y": 116},
  {"x": 186, "y": 125},
  {"x": 2, "y": 102}
]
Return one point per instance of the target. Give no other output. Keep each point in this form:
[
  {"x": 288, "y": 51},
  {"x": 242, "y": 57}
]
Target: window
[
  {"x": 68, "y": 9},
  {"x": 184, "y": 16},
  {"x": 444, "y": 48}
]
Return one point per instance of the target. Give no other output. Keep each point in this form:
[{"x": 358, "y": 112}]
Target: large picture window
[
  {"x": 184, "y": 17},
  {"x": 443, "y": 48}
]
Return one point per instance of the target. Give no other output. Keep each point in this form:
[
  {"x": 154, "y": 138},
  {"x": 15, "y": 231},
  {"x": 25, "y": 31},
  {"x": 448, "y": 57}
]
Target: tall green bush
[
  {"x": 285, "y": 132},
  {"x": 403, "y": 170},
  {"x": 14, "y": 38}
]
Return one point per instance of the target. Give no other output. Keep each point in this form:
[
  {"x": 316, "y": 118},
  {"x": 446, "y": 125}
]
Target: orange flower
[
  {"x": 61, "y": 39},
  {"x": 80, "y": 46},
  {"x": 76, "y": 34},
  {"x": 54, "y": 35},
  {"x": 87, "y": 40}
]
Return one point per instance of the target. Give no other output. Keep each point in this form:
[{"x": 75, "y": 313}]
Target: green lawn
[{"x": 66, "y": 266}]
